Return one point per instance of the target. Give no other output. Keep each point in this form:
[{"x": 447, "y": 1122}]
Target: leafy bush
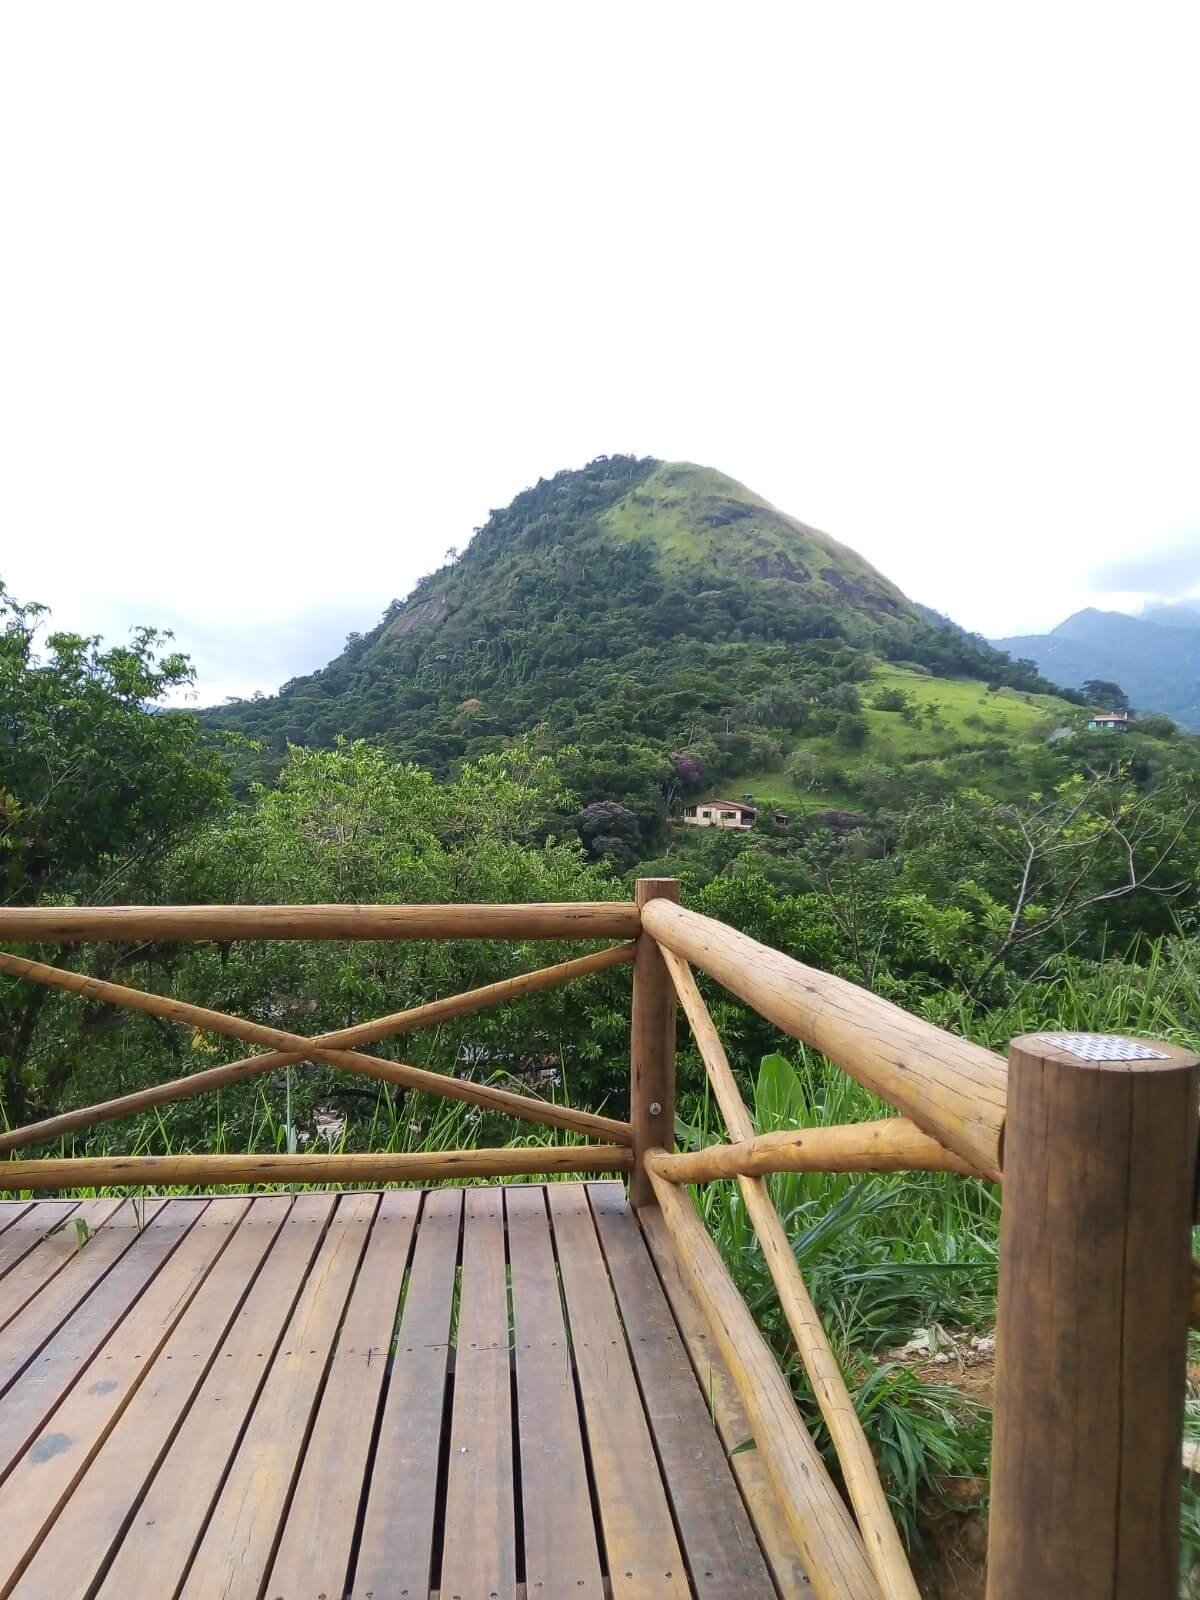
[
  {"x": 891, "y": 700},
  {"x": 852, "y": 731}
]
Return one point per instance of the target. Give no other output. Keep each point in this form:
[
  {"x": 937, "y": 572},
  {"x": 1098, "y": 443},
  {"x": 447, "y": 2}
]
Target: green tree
[
  {"x": 1092, "y": 866},
  {"x": 97, "y": 782},
  {"x": 351, "y": 825},
  {"x": 1103, "y": 692},
  {"x": 852, "y": 731},
  {"x": 804, "y": 769}
]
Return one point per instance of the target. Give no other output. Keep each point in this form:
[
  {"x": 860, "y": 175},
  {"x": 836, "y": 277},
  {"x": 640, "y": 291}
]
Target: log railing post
[
  {"x": 651, "y": 1047},
  {"x": 1099, "y": 1162}
]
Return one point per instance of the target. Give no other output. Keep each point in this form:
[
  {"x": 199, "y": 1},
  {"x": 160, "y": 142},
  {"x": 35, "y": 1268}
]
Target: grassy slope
[
  {"x": 697, "y": 516},
  {"x": 1015, "y": 717}
]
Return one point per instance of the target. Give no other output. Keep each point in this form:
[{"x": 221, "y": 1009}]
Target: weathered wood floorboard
[
  {"x": 168, "y": 1522},
  {"x": 314, "y": 1550},
  {"x": 29, "y": 1273},
  {"x": 718, "y": 1539},
  {"x": 561, "y": 1552},
  {"x": 242, "y": 1530},
  {"x": 644, "y": 1557},
  {"x": 71, "y": 1434},
  {"x": 479, "y": 1553},
  {"x": 266, "y": 1396},
  {"x": 89, "y": 1523},
  {"x": 398, "y": 1538}
]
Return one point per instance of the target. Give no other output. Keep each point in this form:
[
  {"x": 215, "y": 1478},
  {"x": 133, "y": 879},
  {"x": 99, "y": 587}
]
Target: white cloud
[{"x": 292, "y": 294}]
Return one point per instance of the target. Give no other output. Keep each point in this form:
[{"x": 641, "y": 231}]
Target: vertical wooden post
[
  {"x": 1095, "y": 1250},
  {"x": 651, "y": 1047}
]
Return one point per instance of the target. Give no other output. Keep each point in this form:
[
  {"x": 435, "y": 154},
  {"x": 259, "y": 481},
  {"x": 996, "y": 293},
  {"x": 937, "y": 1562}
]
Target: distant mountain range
[{"x": 1155, "y": 657}]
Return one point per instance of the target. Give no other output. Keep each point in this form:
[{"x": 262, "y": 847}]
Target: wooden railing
[{"x": 1095, "y": 1141}]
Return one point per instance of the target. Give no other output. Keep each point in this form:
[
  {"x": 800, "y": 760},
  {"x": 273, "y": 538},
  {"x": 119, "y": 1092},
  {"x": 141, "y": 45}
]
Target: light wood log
[
  {"x": 825, "y": 1535},
  {"x": 88, "y": 1172},
  {"x": 712, "y": 1052},
  {"x": 891, "y": 1145},
  {"x": 472, "y": 1000},
  {"x": 882, "y": 1542},
  {"x": 517, "y": 1105},
  {"x": 423, "y": 1016},
  {"x": 582, "y": 919},
  {"x": 953, "y": 1090},
  {"x": 651, "y": 1047},
  {"x": 1091, "y": 1340}
]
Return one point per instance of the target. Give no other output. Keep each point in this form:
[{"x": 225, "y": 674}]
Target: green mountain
[
  {"x": 1155, "y": 657},
  {"x": 633, "y": 599}
]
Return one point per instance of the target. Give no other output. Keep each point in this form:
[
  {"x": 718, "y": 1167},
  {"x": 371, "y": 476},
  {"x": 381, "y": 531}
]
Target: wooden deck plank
[
  {"x": 87, "y": 1528},
  {"x": 26, "y": 1231},
  {"x": 39, "y": 1386},
  {"x": 45, "y": 1474},
  {"x": 182, "y": 1445},
  {"x": 235, "y": 1551},
  {"x": 314, "y": 1553},
  {"x": 396, "y": 1550},
  {"x": 644, "y": 1558},
  {"x": 561, "y": 1552},
  {"x": 479, "y": 1555},
  {"x": 11, "y": 1210},
  {"x": 733, "y": 1425},
  {"x": 162, "y": 1535},
  {"x": 718, "y": 1539},
  {"x": 47, "y": 1258}
]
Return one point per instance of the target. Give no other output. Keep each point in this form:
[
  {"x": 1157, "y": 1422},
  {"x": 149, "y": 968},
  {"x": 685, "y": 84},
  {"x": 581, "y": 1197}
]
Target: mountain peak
[
  {"x": 699, "y": 519},
  {"x": 664, "y": 588}
]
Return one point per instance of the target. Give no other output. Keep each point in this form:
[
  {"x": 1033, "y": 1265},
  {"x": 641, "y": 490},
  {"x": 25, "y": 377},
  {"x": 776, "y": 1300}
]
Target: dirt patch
[
  {"x": 954, "y": 1528},
  {"x": 954, "y": 1566}
]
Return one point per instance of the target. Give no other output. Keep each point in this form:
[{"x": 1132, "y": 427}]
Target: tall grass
[{"x": 884, "y": 1257}]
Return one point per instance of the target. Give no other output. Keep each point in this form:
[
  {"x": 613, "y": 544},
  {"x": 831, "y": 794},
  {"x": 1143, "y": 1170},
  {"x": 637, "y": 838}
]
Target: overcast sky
[{"x": 290, "y": 295}]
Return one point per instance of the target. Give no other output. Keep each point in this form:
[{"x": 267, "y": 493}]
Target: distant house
[
  {"x": 721, "y": 814},
  {"x": 1108, "y": 722}
]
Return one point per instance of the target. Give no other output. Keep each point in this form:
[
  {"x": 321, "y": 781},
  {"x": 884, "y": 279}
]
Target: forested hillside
[{"x": 633, "y": 602}]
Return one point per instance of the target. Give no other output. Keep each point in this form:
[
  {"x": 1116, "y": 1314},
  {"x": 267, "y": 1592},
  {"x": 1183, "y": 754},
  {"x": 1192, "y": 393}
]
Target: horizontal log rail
[
  {"x": 423, "y": 1016},
  {"x": 881, "y": 1540},
  {"x": 893, "y": 1144},
  {"x": 115, "y": 1172},
  {"x": 201, "y": 1017},
  {"x": 953, "y": 1090},
  {"x": 582, "y": 919}
]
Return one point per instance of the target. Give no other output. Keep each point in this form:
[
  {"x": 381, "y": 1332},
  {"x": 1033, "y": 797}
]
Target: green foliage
[
  {"x": 852, "y": 731},
  {"x": 882, "y": 1257},
  {"x": 892, "y": 699},
  {"x": 630, "y": 610},
  {"x": 93, "y": 779},
  {"x": 1157, "y": 727},
  {"x": 1103, "y": 692},
  {"x": 350, "y": 825},
  {"x": 97, "y": 783}
]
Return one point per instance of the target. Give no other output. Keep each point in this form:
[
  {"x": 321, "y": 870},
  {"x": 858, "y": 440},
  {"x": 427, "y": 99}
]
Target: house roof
[
  {"x": 1110, "y": 716},
  {"x": 734, "y": 805}
]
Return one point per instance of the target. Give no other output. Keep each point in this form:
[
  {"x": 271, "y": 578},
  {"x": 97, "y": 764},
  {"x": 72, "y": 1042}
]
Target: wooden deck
[{"x": 476, "y": 1394}]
